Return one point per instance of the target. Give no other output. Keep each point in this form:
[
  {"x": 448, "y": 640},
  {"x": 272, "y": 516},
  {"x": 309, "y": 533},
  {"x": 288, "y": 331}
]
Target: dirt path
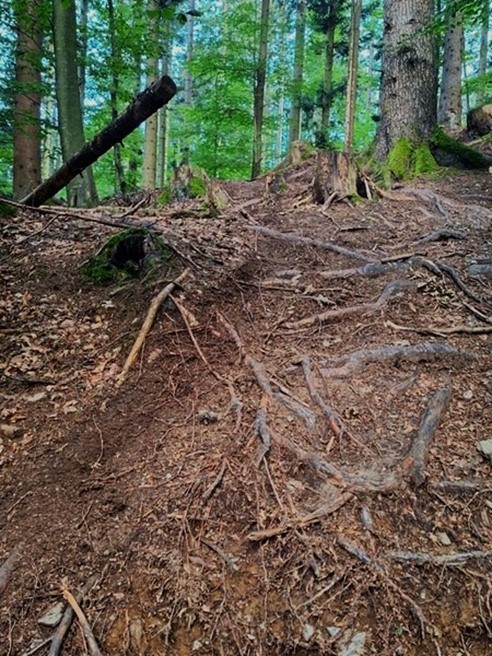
[{"x": 291, "y": 468}]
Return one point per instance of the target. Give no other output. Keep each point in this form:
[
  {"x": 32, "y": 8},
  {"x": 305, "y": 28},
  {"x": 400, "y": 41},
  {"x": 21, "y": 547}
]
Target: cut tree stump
[{"x": 335, "y": 177}]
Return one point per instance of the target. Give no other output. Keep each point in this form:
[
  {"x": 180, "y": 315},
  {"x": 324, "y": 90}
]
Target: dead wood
[
  {"x": 352, "y": 362},
  {"x": 300, "y": 240},
  {"x": 67, "y": 619},
  {"x": 147, "y": 324},
  {"x": 335, "y": 177},
  {"x": 228, "y": 560},
  {"x": 419, "y": 453},
  {"x": 7, "y": 569},
  {"x": 216, "y": 482},
  {"x": 443, "y": 234},
  {"x": 334, "y": 420},
  {"x": 448, "y": 559},
  {"x": 371, "y": 269},
  {"x": 145, "y": 104},
  {"x": 302, "y": 522},
  {"x": 264, "y": 433},
  {"x": 84, "y": 624},
  {"x": 392, "y": 289},
  {"x": 442, "y": 332},
  {"x": 467, "y": 485}
]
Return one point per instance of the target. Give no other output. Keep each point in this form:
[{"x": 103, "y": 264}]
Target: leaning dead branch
[
  {"x": 66, "y": 621},
  {"x": 6, "y": 570},
  {"x": 84, "y": 624},
  {"x": 348, "y": 364},
  {"x": 392, "y": 289},
  {"x": 300, "y": 240},
  {"x": 449, "y": 559},
  {"x": 147, "y": 324},
  {"x": 419, "y": 453}
]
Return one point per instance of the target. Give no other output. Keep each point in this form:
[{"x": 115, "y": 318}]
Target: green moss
[
  {"x": 462, "y": 154},
  {"x": 197, "y": 187},
  {"x": 7, "y": 210},
  {"x": 165, "y": 196},
  {"x": 101, "y": 267},
  {"x": 424, "y": 160},
  {"x": 400, "y": 159}
]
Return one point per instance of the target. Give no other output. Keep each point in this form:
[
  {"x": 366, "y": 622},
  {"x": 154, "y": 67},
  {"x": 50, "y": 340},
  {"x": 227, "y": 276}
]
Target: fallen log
[{"x": 145, "y": 104}]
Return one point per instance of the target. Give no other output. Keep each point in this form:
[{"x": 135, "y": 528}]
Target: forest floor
[{"x": 292, "y": 465}]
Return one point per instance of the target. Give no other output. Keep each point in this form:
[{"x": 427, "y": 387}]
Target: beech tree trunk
[
  {"x": 81, "y": 190},
  {"x": 408, "y": 84},
  {"x": 259, "y": 90},
  {"x": 449, "y": 112},
  {"x": 27, "y": 138},
  {"x": 295, "y": 112}
]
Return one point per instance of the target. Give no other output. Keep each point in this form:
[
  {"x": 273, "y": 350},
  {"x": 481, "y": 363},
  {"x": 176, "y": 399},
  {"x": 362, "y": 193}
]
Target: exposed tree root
[
  {"x": 442, "y": 332},
  {"x": 348, "y": 364},
  {"x": 419, "y": 453},
  {"x": 443, "y": 234},
  {"x": 6, "y": 570},
  {"x": 448, "y": 559},
  {"x": 84, "y": 624},
  {"x": 391, "y": 290},
  {"x": 466, "y": 485},
  {"x": 299, "y": 240}
]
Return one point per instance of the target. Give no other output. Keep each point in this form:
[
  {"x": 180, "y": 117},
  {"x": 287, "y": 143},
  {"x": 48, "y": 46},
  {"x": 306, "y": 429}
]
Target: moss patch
[
  {"x": 452, "y": 152},
  {"x": 400, "y": 159},
  {"x": 424, "y": 159}
]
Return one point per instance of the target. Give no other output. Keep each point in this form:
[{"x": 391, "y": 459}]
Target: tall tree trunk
[
  {"x": 408, "y": 84},
  {"x": 353, "y": 67},
  {"x": 68, "y": 97},
  {"x": 150, "y": 144},
  {"x": 162, "y": 127},
  {"x": 27, "y": 137},
  {"x": 295, "y": 113},
  {"x": 328, "y": 73},
  {"x": 449, "y": 112},
  {"x": 259, "y": 90},
  {"x": 189, "y": 55},
  {"x": 120, "y": 183},
  {"x": 484, "y": 48}
]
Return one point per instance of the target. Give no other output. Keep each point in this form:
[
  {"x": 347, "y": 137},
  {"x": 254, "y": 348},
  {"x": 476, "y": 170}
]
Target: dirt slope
[{"x": 292, "y": 465}]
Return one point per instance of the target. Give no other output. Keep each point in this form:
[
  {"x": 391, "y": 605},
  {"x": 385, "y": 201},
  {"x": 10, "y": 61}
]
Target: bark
[
  {"x": 259, "y": 90},
  {"x": 352, "y": 74},
  {"x": 295, "y": 113},
  {"x": 408, "y": 84},
  {"x": 335, "y": 177},
  {"x": 449, "y": 112},
  {"x": 484, "y": 47},
  {"x": 27, "y": 141},
  {"x": 188, "y": 95},
  {"x": 120, "y": 183},
  {"x": 150, "y": 145},
  {"x": 328, "y": 72},
  {"x": 146, "y": 104},
  {"x": 81, "y": 190}
]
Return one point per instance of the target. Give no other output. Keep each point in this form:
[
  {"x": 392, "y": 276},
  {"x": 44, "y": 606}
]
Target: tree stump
[{"x": 335, "y": 178}]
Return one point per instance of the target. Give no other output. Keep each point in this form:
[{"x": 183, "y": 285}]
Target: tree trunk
[
  {"x": 27, "y": 138},
  {"x": 188, "y": 95},
  {"x": 68, "y": 96},
  {"x": 295, "y": 112},
  {"x": 328, "y": 73},
  {"x": 408, "y": 84},
  {"x": 449, "y": 112},
  {"x": 120, "y": 183},
  {"x": 353, "y": 66},
  {"x": 150, "y": 144},
  {"x": 484, "y": 47},
  {"x": 259, "y": 89},
  {"x": 335, "y": 177},
  {"x": 144, "y": 105}
]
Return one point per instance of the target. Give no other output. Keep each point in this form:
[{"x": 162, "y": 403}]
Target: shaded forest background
[{"x": 213, "y": 51}]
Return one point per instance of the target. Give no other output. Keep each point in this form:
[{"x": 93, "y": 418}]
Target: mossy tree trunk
[{"x": 408, "y": 84}]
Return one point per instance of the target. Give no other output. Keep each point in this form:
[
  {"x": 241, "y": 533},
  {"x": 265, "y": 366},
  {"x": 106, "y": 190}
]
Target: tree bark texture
[
  {"x": 146, "y": 104},
  {"x": 120, "y": 183},
  {"x": 449, "y": 112},
  {"x": 353, "y": 67},
  {"x": 484, "y": 49},
  {"x": 27, "y": 138},
  {"x": 68, "y": 96},
  {"x": 259, "y": 89},
  {"x": 328, "y": 72},
  {"x": 150, "y": 144},
  {"x": 408, "y": 84},
  {"x": 335, "y": 177},
  {"x": 295, "y": 112}
]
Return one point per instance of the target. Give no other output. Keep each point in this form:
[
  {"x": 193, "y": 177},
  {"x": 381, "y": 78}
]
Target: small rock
[
  {"x": 468, "y": 395},
  {"x": 308, "y": 632},
  {"x": 9, "y": 430},
  {"x": 333, "y": 630},
  {"x": 356, "y": 645},
  {"x": 480, "y": 270},
  {"x": 485, "y": 448},
  {"x": 196, "y": 645},
  {"x": 443, "y": 538},
  {"x": 208, "y": 417},
  {"x": 136, "y": 634},
  {"x": 52, "y": 616}
]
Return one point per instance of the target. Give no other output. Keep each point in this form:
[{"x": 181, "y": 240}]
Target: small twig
[
  {"x": 449, "y": 559},
  {"x": 147, "y": 324},
  {"x": 13, "y": 506},
  {"x": 216, "y": 482},
  {"x": 228, "y": 560},
  {"x": 86, "y": 629},
  {"x": 38, "y": 647},
  {"x": 264, "y": 433}
]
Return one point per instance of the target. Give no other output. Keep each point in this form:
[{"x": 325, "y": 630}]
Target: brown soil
[{"x": 270, "y": 529}]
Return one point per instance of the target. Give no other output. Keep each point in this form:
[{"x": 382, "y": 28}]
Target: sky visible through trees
[{"x": 213, "y": 51}]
